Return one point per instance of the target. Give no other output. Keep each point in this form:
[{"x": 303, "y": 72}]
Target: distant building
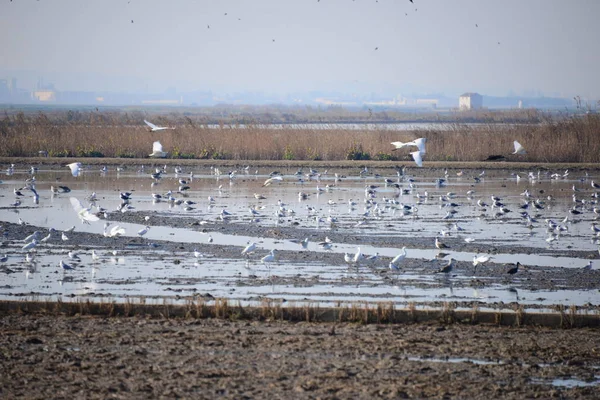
[
  {"x": 44, "y": 95},
  {"x": 470, "y": 101}
]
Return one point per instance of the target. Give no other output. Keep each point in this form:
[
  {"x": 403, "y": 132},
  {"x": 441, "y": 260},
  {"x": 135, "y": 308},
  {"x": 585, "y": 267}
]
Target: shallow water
[{"x": 142, "y": 271}]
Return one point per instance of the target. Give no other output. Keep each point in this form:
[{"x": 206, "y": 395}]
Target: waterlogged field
[{"x": 541, "y": 218}]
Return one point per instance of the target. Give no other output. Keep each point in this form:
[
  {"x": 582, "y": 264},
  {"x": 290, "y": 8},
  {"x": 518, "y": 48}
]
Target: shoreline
[{"x": 343, "y": 164}]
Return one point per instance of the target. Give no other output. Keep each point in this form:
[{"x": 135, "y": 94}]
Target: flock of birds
[{"x": 375, "y": 207}]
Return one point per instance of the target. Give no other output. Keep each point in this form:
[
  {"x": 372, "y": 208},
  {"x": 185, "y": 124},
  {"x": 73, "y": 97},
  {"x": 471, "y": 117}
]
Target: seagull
[
  {"x": 519, "y": 149},
  {"x": 440, "y": 245},
  {"x": 143, "y": 231},
  {"x": 154, "y": 128},
  {"x": 4, "y": 258},
  {"x": 73, "y": 256},
  {"x": 75, "y": 168},
  {"x": 64, "y": 237},
  {"x": 446, "y": 269},
  {"x": 64, "y": 265},
  {"x": 157, "y": 151}
]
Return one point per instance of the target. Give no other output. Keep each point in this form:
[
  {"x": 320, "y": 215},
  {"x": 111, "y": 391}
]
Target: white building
[{"x": 470, "y": 101}]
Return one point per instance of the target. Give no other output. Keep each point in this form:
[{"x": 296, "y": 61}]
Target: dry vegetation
[{"x": 122, "y": 134}]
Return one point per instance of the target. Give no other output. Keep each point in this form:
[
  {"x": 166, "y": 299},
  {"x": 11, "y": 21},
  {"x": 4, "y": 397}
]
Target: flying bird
[
  {"x": 519, "y": 149},
  {"x": 75, "y": 168},
  {"x": 84, "y": 214},
  {"x": 157, "y": 151},
  {"x": 418, "y": 157},
  {"x": 154, "y": 128}
]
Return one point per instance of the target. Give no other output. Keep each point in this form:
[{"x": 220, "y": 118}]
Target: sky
[{"x": 493, "y": 47}]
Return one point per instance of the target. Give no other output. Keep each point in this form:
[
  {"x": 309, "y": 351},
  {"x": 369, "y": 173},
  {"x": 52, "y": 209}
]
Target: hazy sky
[{"x": 297, "y": 45}]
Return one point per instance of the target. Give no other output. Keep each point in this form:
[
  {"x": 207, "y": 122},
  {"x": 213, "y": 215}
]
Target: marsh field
[
  {"x": 180, "y": 303},
  {"x": 326, "y": 136}
]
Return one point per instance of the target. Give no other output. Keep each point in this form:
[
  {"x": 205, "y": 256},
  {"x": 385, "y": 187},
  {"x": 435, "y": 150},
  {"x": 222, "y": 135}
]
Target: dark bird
[
  {"x": 132, "y": 21},
  {"x": 208, "y": 26},
  {"x": 411, "y": 1},
  {"x": 514, "y": 269},
  {"x": 376, "y": 48},
  {"x": 476, "y": 26}
]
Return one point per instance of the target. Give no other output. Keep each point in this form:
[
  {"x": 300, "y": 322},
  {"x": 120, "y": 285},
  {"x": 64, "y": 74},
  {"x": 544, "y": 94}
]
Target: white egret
[
  {"x": 268, "y": 258},
  {"x": 418, "y": 157},
  {"x": 115, "y": 231},
  {"x": 273, "y": 180},
  {"x": 75, "y": 168},
  {"x": 30, "y": 245},
  {"x": 519, "y": 149},
  {"x": 84, "y": 214},
  {"x": 249, "y": 249},
  {"x": 396, "y": 261},
  {"x": 481, "y": 259},
  {"x": 358, "y": 256},
  {"x": 157, "y": 150},
  {"x": 154, "y": 128}
]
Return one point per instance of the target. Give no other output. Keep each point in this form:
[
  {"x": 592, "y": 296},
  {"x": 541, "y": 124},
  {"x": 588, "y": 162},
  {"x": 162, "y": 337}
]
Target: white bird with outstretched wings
[
  {"x": 155, "y": 128},
  {"x": 84, "y": 214}
]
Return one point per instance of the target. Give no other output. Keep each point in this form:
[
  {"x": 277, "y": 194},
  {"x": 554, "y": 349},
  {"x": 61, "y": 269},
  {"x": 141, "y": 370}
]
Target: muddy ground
[{"x": 136, "y": 358}]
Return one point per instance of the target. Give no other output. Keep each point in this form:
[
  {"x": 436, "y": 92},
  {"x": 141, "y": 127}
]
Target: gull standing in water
[
  {"x": 446, "y": 269},
  {"x": 64, "y": 265}
]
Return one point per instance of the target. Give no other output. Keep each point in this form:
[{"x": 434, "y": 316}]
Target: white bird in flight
[
  {"x": 157, "y": 150},
  {"x": 419, "y": 143},
  {"x": 519, "y": 149},
  {"x": 84, "y": 214},
  {"x": 154, "y": 128},
  {"x": 418, "y": 157},
  {"x": 75, "y": 168}
]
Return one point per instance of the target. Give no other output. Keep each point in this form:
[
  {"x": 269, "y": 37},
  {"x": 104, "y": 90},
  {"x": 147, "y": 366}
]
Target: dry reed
[{"x": 569, "y": 139}]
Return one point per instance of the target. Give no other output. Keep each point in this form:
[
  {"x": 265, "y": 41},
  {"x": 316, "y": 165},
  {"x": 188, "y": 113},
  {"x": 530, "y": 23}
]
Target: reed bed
[
  {"x": 569, "y": 139},
  {"x": 272, "y": 310}
]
